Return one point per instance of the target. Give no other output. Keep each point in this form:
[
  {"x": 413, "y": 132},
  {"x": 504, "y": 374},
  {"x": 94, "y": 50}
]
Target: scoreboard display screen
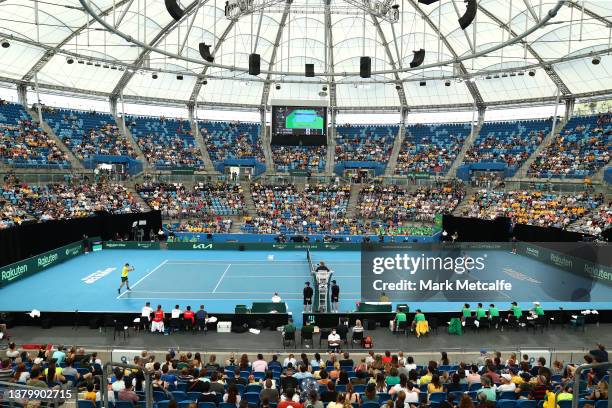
[{"x": 299, "y": 125}]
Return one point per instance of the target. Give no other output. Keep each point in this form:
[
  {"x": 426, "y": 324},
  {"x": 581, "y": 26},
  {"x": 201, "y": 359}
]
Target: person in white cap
[
  {"x": 537, "y": 309},
  {"x": 506, "y": 383}
]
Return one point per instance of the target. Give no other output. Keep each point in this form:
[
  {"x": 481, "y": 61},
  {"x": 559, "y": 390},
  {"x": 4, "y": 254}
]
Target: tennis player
[{"x": 124, "y": 277}]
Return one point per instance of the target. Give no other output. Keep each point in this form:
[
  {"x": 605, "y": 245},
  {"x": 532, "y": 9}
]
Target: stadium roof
[{"x": 44, "y": 34}]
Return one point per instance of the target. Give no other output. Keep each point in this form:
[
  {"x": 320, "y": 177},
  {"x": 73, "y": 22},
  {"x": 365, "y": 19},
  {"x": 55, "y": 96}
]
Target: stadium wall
[{"x": 19, "y": 243}]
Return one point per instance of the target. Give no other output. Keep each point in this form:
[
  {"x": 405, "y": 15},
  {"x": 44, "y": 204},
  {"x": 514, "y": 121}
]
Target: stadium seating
[
  {"x": 392, "y": 206},
  {"x": 232, "y": 140},
  {"x": 595, "y": 222},
  {"x": 88, "y": 133},
  {"x": 204, "y": 199},
  {"x": 306, "y": 158},
  {"x": 431, "y": 148},
  {"x": 23, "y": 143},
  {"x": 532, "y": 207},
  {"x": 166, "y": 143},
  {"x": 365, "y": 143},
  {"x": 21, "y": 202},
  {"x": 581, "y": 149},
  {"x": 508, "y": 142},
  {"x": 282, "y": 209}
]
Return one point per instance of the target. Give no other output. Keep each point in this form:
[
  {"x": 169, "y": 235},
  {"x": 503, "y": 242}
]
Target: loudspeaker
[
  {"x": 365, "y": 67},
  {"x": 418, "y": 58},
  {"x": 469, "y": 15},
  {"x": 205, "y": 52},
  {"x": 309, "y": 69},
  {"x": 174, "y": 10},
  {"x": 254, "y": 64}
]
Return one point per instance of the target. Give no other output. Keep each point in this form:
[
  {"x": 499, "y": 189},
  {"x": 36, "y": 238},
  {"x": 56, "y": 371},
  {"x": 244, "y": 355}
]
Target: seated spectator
[
  {"x": 206, "y": 394},
  {"x": 311, "y": 158},
  {"x": 127, "y": 393},
  {"x": 232, "y": 396},
  {"x": 269, "y": 392}
]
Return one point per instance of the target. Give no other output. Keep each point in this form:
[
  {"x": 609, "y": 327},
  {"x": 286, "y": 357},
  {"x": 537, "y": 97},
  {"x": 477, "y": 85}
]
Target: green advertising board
[
  {"x": 263, "y": 246},
  {"x": 130, "y": 245},
  {"x": 19, "y": 270}
]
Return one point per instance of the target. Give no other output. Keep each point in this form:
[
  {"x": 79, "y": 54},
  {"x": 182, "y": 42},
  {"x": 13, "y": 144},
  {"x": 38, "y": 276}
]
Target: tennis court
[{"x": 221, "y": 279}]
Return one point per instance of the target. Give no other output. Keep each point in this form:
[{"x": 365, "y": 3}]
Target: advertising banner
[{"x": 19, "y": 270}]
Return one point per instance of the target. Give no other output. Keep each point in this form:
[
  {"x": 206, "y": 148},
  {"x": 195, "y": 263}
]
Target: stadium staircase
[
  {"x": 351, "y": 207},
  {"x": 397, "y": 145},
  {"x": 125, "y": 132},
  {"x": 248, "y": 198},
  {"x": 74, "y": 162},
  {"x": 265, "y": 138},
  {"x": 469, "y": 192},
  {"x": 131, "y": 187},
  {"x": 199, "y": 140},
  {"x": 599, "y": 176},
  {"x": 452, "y": 172},
  {"x": 522, "y": 171},
  {"x": 331, "y": 154}
]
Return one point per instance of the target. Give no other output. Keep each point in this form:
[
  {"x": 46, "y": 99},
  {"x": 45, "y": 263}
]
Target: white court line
[
  {"x": 221, "y": 278},
  {"x": 223, "y": 299},
  {"x": 254, "y": 262},
  {"x": 231, "y": 293},
  {"x": 143, "y": 278},
  {"x": 289, "y": 276}
]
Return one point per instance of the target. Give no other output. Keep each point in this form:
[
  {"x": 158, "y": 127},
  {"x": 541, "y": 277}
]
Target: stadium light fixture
[
  {"x": 5, "y": 44},
  {"x": 154, "y": 76},
  {"x": 447, "y": 83},
  {"x": 234, "y": 9},
  {"x": 422, "y": 83},
  {"x": 387, "y": 10},
  {"x": 595, "y": 61},
  {"x": 179, "y": 77},
  {"x": 532, "y": 73},
  {"x": 69, "y": 61},
  {"x": 277, "y": 87}
]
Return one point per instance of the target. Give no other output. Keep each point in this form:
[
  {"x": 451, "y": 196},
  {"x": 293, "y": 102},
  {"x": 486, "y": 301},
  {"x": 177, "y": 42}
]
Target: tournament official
[
  {"x": 335, "y": 296},
  {"x": 308, "y": 293}
]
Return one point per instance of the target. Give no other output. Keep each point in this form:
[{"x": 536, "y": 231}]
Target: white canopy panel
[{"x": 43, "y": 36}]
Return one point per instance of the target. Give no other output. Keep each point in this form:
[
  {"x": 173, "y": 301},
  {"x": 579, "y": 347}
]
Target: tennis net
[{"x": 309, "y": 259}]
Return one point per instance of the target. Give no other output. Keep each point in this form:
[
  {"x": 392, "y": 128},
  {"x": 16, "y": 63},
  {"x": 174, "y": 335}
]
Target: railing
[
  {"x": 577, "y": 379},
  {"x": 107, "y": 373}
]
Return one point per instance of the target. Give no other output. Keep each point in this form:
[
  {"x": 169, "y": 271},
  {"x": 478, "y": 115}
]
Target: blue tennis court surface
[{"x": 221, "y": 279}]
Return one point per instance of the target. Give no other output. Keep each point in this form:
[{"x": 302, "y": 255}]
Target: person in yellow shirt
[{"x": 124, "y": 277}]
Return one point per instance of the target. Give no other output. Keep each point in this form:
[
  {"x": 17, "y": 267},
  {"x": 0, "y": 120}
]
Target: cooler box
[{"x": 224, "y": 327}]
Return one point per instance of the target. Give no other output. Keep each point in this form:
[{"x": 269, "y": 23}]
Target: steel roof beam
[
  {"x": 552, "y": 74},
  {"x": 46, "y": 57},
  {"x": 163, "y": 33},
  {"x": 400, "y": 85},
  {"x": 279, "y": 33},
  {"x": 193, "y": 98},
  {"x": 472, "y": 88}
]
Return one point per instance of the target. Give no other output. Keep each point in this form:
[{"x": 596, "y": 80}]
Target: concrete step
[
  {"x": 208, "y": 164},
  {"x": 469, "y": 142},
  {"x": 248, "y": 198},
  {"x": 550, "y": 137},
  {"x": 125, "y": 132},
  {"x": 74, "y": 162},
  {"x": 397, "y": 145},
  {"x": 351, "y": 209}
]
